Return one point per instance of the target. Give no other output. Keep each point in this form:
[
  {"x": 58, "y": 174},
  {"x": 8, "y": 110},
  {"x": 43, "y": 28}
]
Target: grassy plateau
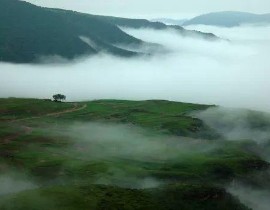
[{"x": 118, "y": 155}]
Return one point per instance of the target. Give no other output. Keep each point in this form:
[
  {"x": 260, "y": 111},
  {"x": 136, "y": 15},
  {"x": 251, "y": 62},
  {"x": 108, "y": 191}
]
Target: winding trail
[
  {"x": 74, "y": 109},
  {"x": 28, "y": 130},
  {"x": 25, "y": 130}
]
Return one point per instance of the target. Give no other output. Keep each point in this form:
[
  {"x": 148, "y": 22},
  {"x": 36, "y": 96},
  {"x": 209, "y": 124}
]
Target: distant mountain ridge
[
  {"x": 143, "y": 23},
  {"x": 170, "y": 21},
  {"x": 28, "y": 32},
  {"x": 228, "y": 19}
]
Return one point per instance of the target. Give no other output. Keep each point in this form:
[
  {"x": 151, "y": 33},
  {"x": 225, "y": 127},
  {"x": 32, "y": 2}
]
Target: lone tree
[{"x": 59, "y": 97}]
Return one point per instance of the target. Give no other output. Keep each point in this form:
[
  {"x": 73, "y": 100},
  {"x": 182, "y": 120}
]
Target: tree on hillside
[{"x": 59, "y": 97}]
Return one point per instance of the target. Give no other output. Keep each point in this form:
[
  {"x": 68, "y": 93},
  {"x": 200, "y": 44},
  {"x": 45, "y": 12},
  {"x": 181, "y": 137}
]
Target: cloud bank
[
  {"x": 257, "y": 199},
  {"x": 14, "y": 182},
  {"x": 234, "y": 73},
  {"x": 123, "y": 148},
  {"x": 238, "y": 124}
]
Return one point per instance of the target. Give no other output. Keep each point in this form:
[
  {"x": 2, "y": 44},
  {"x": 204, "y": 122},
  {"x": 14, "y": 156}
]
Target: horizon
[{"x": 137, "y": 9}]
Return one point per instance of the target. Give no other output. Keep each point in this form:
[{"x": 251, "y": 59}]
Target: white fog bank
[{"x": 234, "y": 74}]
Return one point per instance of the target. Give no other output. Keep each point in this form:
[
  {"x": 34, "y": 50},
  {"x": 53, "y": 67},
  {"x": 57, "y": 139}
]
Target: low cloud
[
  {"x": 254, "y": 198},
  {"x": 122, "y": 148},
  {"x": 99, "y": 141},
  {"x": 243, "y": 33},
  {"x": 238, "y": 124},
  {"x": 229, "y": 73},
  {"x": 14, "y": 183}
]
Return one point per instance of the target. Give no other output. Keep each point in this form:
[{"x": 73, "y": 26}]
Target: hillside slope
[
  {"x": 143, "y": 23},
  {"x": 228, "y": 19},
  {"x": 28, "y": 32},
  {"x": 170, "y": 21},
  {"x": 113, "y": 154}
]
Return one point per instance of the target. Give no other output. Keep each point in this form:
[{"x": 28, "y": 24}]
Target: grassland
[{"x": 37, "y": 140}]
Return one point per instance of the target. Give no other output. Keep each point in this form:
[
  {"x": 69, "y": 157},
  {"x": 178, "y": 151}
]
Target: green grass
[
  {"x": 163, "y": 116},
  {"x": 15, "y": 108},
  {"x": 67, "y": 174},
  {"x": 95, "y": 197}
]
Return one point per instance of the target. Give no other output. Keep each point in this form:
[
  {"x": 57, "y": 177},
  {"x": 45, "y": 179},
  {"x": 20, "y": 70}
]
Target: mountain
[
  {"x": 130, "y": 155},
  {"x": 143, "y": 23},
  {"x": 169, "y": 21},
  {"x": 146, "y": 24},
  {"x": 228, "y": 19},
  {"x": 29, "y": 32}
]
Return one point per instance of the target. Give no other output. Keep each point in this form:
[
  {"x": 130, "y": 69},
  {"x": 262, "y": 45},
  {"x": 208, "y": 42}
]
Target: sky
[{"x": 157, "y": 8}]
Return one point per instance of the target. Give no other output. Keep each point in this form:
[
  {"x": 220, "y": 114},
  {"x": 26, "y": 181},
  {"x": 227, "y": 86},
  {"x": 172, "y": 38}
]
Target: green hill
[
  {"x": 113, "y": 154},
  {"x": 97, "y": 197}
]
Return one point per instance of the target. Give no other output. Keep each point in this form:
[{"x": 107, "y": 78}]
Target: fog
[
  {"x": 238, "y": 124},
  {"x": 14, "y": 182},
  {"x": 99, "y": 141},
  {"x": 254, "y": 198},
  {"x": 231, "y": 73},
  {"x": 122, "y": 148},
  {"x": 247, "y": 32}
]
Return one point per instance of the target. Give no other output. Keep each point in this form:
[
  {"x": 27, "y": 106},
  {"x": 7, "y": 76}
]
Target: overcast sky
[{"x": 157, "y": 8}]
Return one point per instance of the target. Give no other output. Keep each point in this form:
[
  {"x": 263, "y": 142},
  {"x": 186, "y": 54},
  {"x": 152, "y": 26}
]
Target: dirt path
[
  {"x": 74, "y": 109},
  {"x": 27, "y": 130}
]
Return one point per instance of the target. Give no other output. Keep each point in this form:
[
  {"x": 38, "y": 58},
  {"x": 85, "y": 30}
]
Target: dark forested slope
[{"x": 28, "y": 32}]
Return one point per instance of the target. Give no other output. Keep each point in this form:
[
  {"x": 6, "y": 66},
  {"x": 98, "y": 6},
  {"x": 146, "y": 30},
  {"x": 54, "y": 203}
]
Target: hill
[
  {"x": 170, "y": 21},
  {"x": 143, "y": 23},
  {"x": 29, "y": 32},
  {"x": 228, "y": 19},
  {"x": 112, "y": 154}
]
